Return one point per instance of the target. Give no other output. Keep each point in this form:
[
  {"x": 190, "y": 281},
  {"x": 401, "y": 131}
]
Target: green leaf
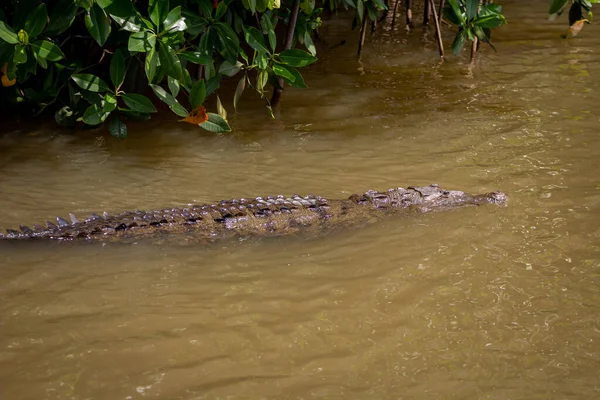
[
  {"x": 138, "y": 102},
  {"x": 119, "y": 8},
  {"x": 174, "y": 21},
  {"x": 380, "y": 4},
  {"x": 221, "y": 10},
  {"x": 172, "y": 38},
  {"x": 195, "y": 24},
  {"x": 110, "y": 102},
  {"x": 163, "y": 95},
  {"x": 90, "y": 82},
  {"x": 7, "y": 34},
  {"x": 470, "y": 34},
  {"x": 20, "y": 55},
  {"x": 171, "y": 101},
  {"x": 296, "y": 58},
  {"x": 169, "y": 60},
  {"x": 216, "y": 124},
  {"x": 490, "y": 9},
  {"x": 117, "y": 68},
  {"x": 298, "y": 82},
  {"x": 490, "y": 21},
  {"x": 117, "y": 128},
  {"x": 36, "y": 21},
  {"x": 158, "y": 10},
  {"x": 220, "y": 109},
  {"x": 141, "y": 41},
  {"x": 61, "y": 17},
  {"x": 230, "y": 69},
  {"x": 587, "y": 4},
  {"x": 94, "y": 115},
  {"x": 262, "y": 60},
  {"x": 228, "y": 40},
  {"x": 179, "y": 110},
  {"x": 186, "y": 82},
  {"x": 262, "y": 79},
  {"x": 92, "y": 98},
  {"x": 308, "y": 42},
  {"x": 255, "y": 39},
  {"x": 151, "y": 65},
  {"x": 173, "y": 85},
  {"x": 373, "y": 12},
  {"x": 453, "y": 13},
  {"x": 47, "y": 50},
  {"x": 269, "y": 30},
  {"x": 281, "y": 70},
  {"x": 198, "y": 93},
  {"x": 459, "y": 41},
  {"x": 98, "y": 24},
  {"x": 244, "y": 57},
  {"x": 129, "y": 24},
  {"x": 556, "y": 6},
  {"x": 479, "y": 33},
  {"x": 41, "y": 61},
  {"x": 196, "y": 57},
  {"x": 238, "y": 92},
  {"x": 471, "y": 8},
  {"x": 87, "y": 4},
  {"x": 360, "y": 10}
]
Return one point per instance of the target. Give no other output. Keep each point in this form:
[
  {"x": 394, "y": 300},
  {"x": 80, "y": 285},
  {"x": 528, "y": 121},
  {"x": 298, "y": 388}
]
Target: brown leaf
[
  {"x": 197, "y": 116},
  {"x": 5, "y": 81}
]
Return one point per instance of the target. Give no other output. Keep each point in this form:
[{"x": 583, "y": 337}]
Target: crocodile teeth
[
  {"x": 74, "y": 219},
  {"x": 62, "y": 222},
  {"x": 26, "y": 230}
]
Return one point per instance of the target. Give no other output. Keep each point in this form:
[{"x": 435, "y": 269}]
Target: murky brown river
[{"x": 476, "y": 303}]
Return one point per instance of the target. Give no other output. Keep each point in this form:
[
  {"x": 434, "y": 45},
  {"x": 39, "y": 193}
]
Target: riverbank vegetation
[{"x": 94, "y": 62}]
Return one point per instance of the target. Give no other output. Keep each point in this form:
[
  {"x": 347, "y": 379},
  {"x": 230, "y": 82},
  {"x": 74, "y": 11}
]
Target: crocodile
[{"x": 272, "y": 215}]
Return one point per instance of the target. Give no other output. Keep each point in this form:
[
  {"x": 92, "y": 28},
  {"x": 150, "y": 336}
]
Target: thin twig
[
  {"x": 363, "y": 33},
  {"x": 275, "y": 99},
  {"x": 438, "y": 32}
]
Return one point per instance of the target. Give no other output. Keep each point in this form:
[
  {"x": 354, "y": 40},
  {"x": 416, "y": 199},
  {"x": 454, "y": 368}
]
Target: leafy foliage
[
  {"x": 473, "y": 20},
  {"x": 109, "y": 61},
  {"x": 91, "y": 61},
  {"x": 576, "y": 17},
  {"x": 558, "y": 6}
]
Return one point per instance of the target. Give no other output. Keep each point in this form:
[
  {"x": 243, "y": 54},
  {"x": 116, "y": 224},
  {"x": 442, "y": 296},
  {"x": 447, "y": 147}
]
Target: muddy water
[{"x": 477, "y": 303}]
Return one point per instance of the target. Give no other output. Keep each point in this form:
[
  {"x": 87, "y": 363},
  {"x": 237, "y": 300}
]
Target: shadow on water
[{"x": 486, "y": 302}]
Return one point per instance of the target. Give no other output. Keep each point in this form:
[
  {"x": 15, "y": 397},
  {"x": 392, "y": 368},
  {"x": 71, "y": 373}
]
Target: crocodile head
[{"x": 434, "y": 197}]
